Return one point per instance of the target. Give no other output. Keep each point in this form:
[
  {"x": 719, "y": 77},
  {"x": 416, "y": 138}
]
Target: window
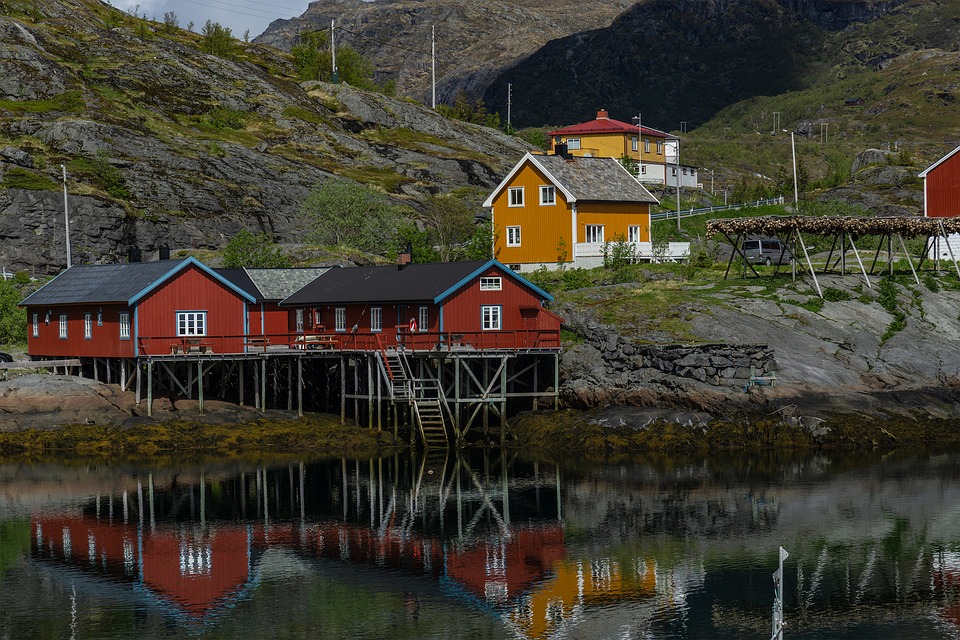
[
  {"x": 513, "y": 236},
  {"x": 633, "y": 233},
  {"x": 659, "y": 147},
  {"x": 298, "y": 320},
  {"x": 646, "y": 145},
  {"x": 548, "y": 195},
  {"x": 124, "y": 326},
  {"x": 63, "y": 326},
  {"x": 491, "y": 284},
  {"x": 423, "y": 321},
  {"x": 191, "y": 323},
  {"x": 516, "y": 196},
  {"x": 593, "y": 233},
  {"x": 376, "y": 319},
  {"x": 36, "y": 325},
  {"x": 573, "y": 143},
  {"x": 490, "y": 317},
  {"x": 643, "y": 170},
  {"x": 100, "y": 318},
  {"x": 673, "y": 171},
  {"x": 633, "y": 143},
  {"x": 340, "y": 319},
  {"x": 88, "y": 326}
]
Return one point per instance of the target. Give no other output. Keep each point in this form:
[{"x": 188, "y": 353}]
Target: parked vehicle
[{"x": 766, "y": 251}]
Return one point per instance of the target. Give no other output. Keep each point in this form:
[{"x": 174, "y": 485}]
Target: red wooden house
[
  {"x": 136, "y": 309},
  {"x": 941, "y": 187},
  {"x": 268, "y": 322},
  {"x": 481, "y": 305}
]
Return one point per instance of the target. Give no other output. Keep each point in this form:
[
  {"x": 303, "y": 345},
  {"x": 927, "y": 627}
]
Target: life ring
[{"x": 413, "y": 325}]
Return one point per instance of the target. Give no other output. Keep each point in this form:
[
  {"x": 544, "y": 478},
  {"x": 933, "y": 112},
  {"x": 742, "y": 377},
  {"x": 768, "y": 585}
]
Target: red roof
[{"x": 605, "y": 124}]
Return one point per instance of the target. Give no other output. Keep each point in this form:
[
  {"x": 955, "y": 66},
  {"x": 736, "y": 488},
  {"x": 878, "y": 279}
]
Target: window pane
[{"x": 424, "y": 321}]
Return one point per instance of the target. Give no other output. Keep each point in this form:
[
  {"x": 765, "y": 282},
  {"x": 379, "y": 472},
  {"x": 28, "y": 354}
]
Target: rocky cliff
[{"x": 166, "y": 144}]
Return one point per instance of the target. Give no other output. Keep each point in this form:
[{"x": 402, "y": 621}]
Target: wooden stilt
[
  {"x": 240, "y": 375},
  {"x": 289, "y": 385},
  {"x": 200, "y": 393},
  {"x": 150, "y": 390},
  {"x": 263, "y": 384},
  {"x": 300, "y": 386},
  {"x": 343, "y": 391}
]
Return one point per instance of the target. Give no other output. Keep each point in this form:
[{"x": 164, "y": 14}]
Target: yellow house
[
  {"x": 554, "y": 210},
  {"x": 604, "y": 137}
]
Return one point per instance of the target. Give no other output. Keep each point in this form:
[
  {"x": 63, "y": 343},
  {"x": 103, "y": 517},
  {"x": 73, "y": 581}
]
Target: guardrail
[{"x": 672, "y": 215}]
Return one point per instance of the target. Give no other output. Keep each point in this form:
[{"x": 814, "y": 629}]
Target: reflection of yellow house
[
  {"x": 605, "y": 137},
  {"x": 554, "y": 210},
  {"x": 574, "y": 584}
]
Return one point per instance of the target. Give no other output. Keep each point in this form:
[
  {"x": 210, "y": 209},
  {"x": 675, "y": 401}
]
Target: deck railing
[{"x": 517, "y": 340}]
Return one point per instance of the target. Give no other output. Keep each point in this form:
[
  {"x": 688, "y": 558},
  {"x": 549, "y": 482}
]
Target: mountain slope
[
  {"x": 475, "y": 41},
  {"x": 166, "y": 144}
]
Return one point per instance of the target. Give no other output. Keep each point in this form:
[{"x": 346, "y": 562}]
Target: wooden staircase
[{"x": 424, "y": 396}]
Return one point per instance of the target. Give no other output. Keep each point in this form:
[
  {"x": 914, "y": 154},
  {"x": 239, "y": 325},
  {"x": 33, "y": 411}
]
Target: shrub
[
  {"x": 254, "y": 250},
  {"x": 217, "y": 40},
  {"x": 20, "y": 178},
  {"x": 832, "y": 294}
]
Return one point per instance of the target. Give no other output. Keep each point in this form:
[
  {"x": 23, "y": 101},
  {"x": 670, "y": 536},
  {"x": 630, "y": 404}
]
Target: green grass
[
  {"x": 20, "y": 178},
  {"x": 67, "y": 102}
]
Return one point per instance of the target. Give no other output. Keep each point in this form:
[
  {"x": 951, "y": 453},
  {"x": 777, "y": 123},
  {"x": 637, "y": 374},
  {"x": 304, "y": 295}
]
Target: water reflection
[{"x": 486, "y": 546}]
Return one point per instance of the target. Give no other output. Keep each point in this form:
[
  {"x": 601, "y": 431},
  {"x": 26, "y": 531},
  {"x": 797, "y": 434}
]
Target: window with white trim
[
  {"x": 298, "y": 320},
  {"x": 593, "y": 233},
  {"x": 513, "y": 236},
  {"x": 634, "y": 145},
  {"x": 646, "y": 145},
  {"x": 88, "y": 326},
  {"x": 516, "y": 196},
  {"x": 191, "y": 323},
  {"x": 63, "y": 326},
  {"x": 548, "y": 195},
  {"x": 36, "y": 325},
  {"x": 491, "y": 284},
  {"x": 643, "y": 170},
  {"x": 573, "y": 143},
  {"x": 376, "y": 319},
  {"x": 423, "y": 320},
  {"x": 124, "y": 326},
  {"x": 491, "y": 317},
  {"x": 633, "y": 233},
  {"x": 673, "y": 171},
  {"x": 659, "y": 147},
  {"x": 340, "y": 319}
]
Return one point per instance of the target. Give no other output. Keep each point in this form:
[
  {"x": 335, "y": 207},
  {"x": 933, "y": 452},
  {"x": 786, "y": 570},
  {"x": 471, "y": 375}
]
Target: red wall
[
  {"x": 105, "y": 340},
  {"x": 192, "y": 290},
  {"x": 942, "y": 189}
]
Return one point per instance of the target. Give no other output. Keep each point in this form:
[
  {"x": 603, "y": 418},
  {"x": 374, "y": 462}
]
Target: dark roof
[
  {"x": 595, "y": 179},
  {"x": 112, "y": 283},
  {"x": 429, "y": 282},
  {"x": 271, "y": 284}
]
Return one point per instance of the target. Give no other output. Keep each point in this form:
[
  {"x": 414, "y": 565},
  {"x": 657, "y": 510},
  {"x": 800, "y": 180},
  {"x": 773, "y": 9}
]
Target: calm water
[{"x": 488, "y": 546}]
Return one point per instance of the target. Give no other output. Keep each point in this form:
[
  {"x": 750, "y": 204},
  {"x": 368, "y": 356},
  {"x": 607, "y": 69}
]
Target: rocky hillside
[
  {"x": 475, "y": 41},
  {"x": 166, "y": 144}
]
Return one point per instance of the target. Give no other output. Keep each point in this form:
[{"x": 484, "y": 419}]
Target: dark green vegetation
[
  {"x": 254, "y": 250},
  {"x": 320, "y": 433},
  {"x": 568, "y": 431}
]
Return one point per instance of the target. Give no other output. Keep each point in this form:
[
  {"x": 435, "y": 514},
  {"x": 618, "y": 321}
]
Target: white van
[{"x": 766, "y": 251}]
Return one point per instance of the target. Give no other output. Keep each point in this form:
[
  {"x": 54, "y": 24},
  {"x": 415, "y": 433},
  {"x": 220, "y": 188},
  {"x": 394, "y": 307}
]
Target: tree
[
  {"x": 254, "y": 250},
  {"x": 170, "y": 22},
  {"x": 350, "y": 214},
  {"x": 475, "y": 111},
  {"x": 13, "y": 319},
  {"x": 217, "y": 40},
  {"x": 313, "y": 61},
  {"x": 450, "y": 222},
  {"x": 307, "y": 55}
]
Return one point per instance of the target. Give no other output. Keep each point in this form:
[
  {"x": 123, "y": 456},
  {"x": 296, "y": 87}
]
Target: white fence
[{"x": 639, "y": 251}]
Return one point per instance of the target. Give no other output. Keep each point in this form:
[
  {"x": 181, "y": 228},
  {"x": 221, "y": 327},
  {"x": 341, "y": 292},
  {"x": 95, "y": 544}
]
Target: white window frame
[
  {"x": 573, "y": 144},
  {"x": 63, "y": 326},
  {"x": 340, "y": 319},
  {"x": 659, "y": 147},
  {"x": 298, "y": 320},
  {"x": 491, "y": 317},
  {"x": 673, "y": 171},
  {"x": 633, "y": 233},
  {"x": 513, "y": 236},
  {"x": 634, "y": 143},
  {"x": 88, "y": 326},
  {"x": 423, "y": 318},
  {"x": 491, "y": 283},
  {"x": 191, "y": 323},
  {"x": 548, "y": 195},
  {"x": 643, "y": 169},
  {"x": 593, "y": 234},
  {"x": 646, "y": 145},
  {"x": 376, "y": 318},
  {"x": 36, "y": 325},
  {"x": 515, "y": 195},
  {"x": 124, "y": 325}
]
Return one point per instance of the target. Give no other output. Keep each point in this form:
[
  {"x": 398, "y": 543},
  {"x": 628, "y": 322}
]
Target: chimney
[
  {"x": 133, "y": 254},
  {"x": 405, "y": 257},
  {"x": 602, "y": 114},
  {"x": 561, "y": 150},
  {"x": 164, "y": 251}
]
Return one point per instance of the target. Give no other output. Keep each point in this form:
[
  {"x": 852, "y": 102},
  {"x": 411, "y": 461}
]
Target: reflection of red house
[
  {"x": 946, "y": 578},
  {"x": 197, "y": 573},
  {"x": 497, "y": 571}
]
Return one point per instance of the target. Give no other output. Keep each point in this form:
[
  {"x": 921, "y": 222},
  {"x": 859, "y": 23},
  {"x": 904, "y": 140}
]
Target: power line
[{"x": 271, "y": 5}]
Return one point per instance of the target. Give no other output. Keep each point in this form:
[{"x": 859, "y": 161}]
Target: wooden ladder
[
  {"x": 433, "y": 432},
  {"x": 399, "y": 380}
]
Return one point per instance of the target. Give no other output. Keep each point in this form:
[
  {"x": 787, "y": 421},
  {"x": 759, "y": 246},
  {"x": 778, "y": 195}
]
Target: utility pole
[
  {"x": 433, "y": 64},
  {"x": 333, "y": 54},
  {"x": 678, "y": 184},
  {"x": 509, "y": 102},
  {"x": 796, "y": 191},
  {"x": 66, "y": 216},
  {"x": 639, "y": 147}
]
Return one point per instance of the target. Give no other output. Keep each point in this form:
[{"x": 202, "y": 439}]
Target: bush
[
  {"x": 217, "y": 40},
  {"x": 350, "y": 214},
  {"x": 225, "y": 118},
  {"x": 20, "y": 178},
  {"x": 832, "y": 294},
  {"x": 254, "y": 250}
]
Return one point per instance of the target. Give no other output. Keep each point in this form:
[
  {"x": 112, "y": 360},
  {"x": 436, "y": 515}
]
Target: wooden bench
[
  {"x": 258, "y": 343},
  {"x": 316, "y": 342},
  {"x": 191, "y": 345}
]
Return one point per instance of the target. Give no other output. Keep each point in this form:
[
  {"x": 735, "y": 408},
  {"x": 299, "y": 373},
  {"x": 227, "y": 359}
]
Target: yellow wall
[
  {"x": 615, "y": 145},
  {"x": 542, "y": 227}
]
